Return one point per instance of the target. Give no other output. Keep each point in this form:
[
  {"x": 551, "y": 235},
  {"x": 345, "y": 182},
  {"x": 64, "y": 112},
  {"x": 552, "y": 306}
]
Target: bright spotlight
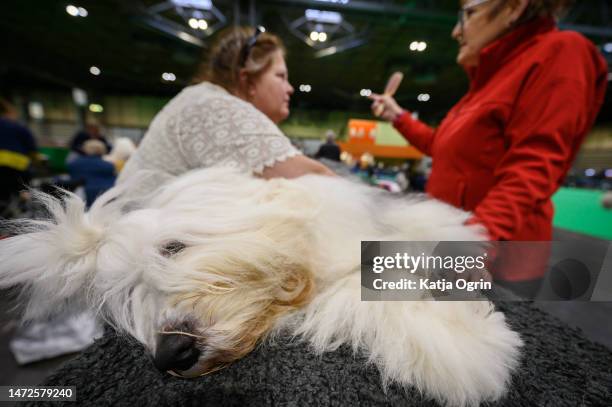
[
  {"x": 96, "y": 108},
  {"x": 589, "y": 172},
  {"x": 94, "y": 70},
  {"x": 83, "y": 12},
  {"x": 202, "y": 24},
  {"x": 322, "y": 37},
  {"x": 414, "y": 46},
  {"x": 72, "y": 10},
  {"x": 193, "y": 23},
  {"x": 168, "y": 76},
  {"x": 421, "y": 46},
  {"x": 608, "y": 47},
  {"x": 314, "y": 35},
  {"x": 423, "y": 97}
]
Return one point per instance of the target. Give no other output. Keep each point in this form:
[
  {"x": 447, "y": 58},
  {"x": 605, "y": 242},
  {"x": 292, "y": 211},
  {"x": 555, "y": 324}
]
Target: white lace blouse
[{"x": 202, "y": 126}]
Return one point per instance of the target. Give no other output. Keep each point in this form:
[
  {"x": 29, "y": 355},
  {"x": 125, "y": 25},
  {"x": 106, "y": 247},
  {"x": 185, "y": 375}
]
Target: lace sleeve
[{"x": 225, "y": 130}]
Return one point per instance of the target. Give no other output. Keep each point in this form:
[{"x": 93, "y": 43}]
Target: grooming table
[{"x": 559, "y": 367}]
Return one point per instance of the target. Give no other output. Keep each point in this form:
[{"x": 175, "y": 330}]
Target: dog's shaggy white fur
[{"x": 229, "y": 258}]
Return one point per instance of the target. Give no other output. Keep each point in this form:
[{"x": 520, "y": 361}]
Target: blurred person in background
[
  {"x": 506, "y": 146},
  {"x": 228, "y": 119},
  {"x": 17, "y": 150},
  {"x": 97, "y": 174},
  {"x": 91, "y": 131},
  {"x": 330, "y": 148}
]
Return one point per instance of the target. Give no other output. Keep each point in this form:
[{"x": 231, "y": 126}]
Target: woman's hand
[
  {"x": 386, "y": 107},
  {"x": 294, "y": 167}
]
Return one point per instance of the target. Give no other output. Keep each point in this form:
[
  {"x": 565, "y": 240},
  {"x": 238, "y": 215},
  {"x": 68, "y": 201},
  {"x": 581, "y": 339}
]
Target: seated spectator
[
  {"x": 91, "y": 132},
  {"x": 97, "y": 174},
  {"x": 17, "y": 149},
  {"x": 329, "y": 149}
]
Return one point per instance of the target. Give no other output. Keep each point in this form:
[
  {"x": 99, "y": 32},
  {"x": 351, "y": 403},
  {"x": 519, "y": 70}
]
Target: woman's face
[
  {"x": 271, "y": 92},
  {"x": 478, "y": 30}
]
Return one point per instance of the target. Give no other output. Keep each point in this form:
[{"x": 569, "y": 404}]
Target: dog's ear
[{"x": 53, "y": 261}]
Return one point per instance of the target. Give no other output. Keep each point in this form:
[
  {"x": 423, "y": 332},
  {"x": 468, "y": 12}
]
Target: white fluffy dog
[{"x": 217, "y": 260}]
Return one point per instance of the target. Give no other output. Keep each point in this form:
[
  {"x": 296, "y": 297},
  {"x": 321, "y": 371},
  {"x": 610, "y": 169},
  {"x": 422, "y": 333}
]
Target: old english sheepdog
[{"x": 216, "y": 260}]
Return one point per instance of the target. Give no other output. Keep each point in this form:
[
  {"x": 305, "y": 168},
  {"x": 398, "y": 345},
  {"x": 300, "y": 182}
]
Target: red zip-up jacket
[{"x": 505, "y": 148}]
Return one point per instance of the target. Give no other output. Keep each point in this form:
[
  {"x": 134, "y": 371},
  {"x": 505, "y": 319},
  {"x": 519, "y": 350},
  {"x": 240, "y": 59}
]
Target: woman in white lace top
[{"x": 229, "y": 119}]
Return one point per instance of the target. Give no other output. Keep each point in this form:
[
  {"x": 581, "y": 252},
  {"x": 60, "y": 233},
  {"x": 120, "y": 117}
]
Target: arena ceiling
[{"x": 134, "y": 42}]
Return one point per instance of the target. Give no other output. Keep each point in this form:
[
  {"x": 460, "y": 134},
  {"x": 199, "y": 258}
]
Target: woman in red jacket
[{"x": 505, "y": 147}]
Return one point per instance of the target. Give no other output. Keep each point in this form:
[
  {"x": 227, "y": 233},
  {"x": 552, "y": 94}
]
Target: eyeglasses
[
  {"x": 468, "y": 7},
  {"x": 248, "y": 46}
]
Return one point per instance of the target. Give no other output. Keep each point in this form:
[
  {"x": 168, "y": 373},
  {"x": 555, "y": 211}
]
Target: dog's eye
[{"x": 171, "y": 248}]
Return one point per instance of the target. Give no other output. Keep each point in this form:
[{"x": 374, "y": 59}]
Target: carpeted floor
[{"x": 559, "y": 368}]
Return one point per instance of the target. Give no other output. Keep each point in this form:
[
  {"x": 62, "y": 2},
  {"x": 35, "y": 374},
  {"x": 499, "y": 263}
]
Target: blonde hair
[
  {"x": 94, "y": 147},
  {"x": 223, "y": 63}
]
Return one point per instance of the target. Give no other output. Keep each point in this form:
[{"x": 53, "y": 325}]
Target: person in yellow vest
[{"x": 17, "y": 150}]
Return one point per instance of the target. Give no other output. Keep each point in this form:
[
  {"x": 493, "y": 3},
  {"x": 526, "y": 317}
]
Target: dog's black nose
[{"x": 175, "y": 352}]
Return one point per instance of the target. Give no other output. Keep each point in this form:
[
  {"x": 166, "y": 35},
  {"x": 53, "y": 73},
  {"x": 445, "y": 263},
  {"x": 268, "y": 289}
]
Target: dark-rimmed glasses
[
  {"x": 468, "y": 7},
  {"x": 248, "y": 46}
]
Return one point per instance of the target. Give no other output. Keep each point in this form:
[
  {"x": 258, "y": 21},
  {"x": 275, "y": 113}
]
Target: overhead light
[
  {"x": 168, "y": 76},
  {"x": 184, "y": 36},
  {"x": 589, "y": 172},
  {"x": 72, "y": 10},
  {"x": 608, "y": 173},
  {"x": 79, "y": 96},
  {"x": 96, "y": 108},
  {"x": 194, "y": 4},
  {"x": 305, "y": 88},
  {"x": 418, "y": 46},
  {"x": 318, "y": 36},
  {"x": 334, "y": 1},
  {"x": 36, "y": 110},
  {"x": 197, "y": 23},
  {"x": 608, "y": 47},
  {"x": 423, "y": 97},
  {"x": 365, "y": 92},
  {"x": 94, "y": 70},
  {"x": 329, "y": 17},
  {"x": 75, "y": 11}
]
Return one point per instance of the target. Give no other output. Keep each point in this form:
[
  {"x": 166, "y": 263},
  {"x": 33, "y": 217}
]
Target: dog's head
[{"x": 197, "y": 284}]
